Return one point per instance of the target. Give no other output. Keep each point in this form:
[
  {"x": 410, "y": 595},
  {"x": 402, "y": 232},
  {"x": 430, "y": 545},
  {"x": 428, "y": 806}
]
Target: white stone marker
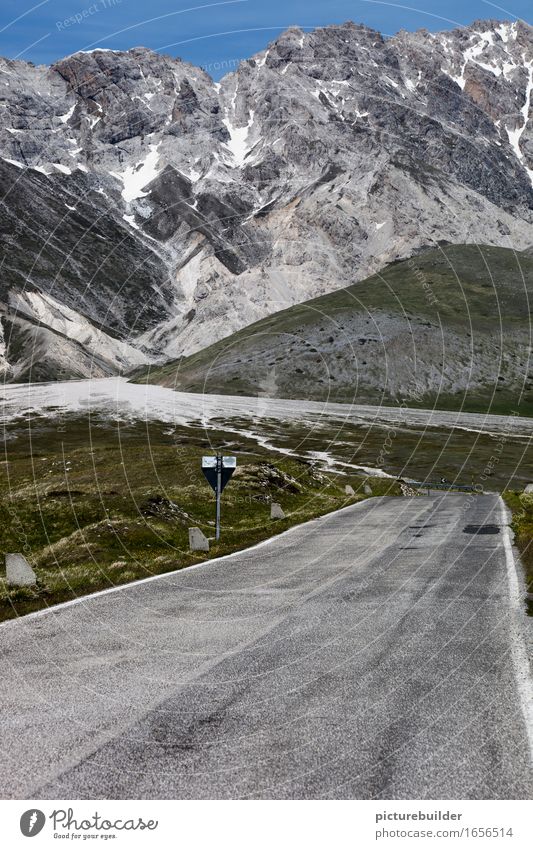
[
  {"x": 19, "y": 572},
  {"x": 197, "y": 540},
  {"x": 275, "y": 511}
]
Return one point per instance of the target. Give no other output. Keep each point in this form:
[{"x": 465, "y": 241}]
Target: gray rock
[
  {"x": 276, "y": 511},
  {"x": 334, "y": 353},
  {"x": 19, "y": 572},
  {"x": 367, "y": 489},
  {"x": 197, "y": 540},
  {"x": 529, "y": 487},
  {"x": 359, "y": 150},
  {"x": 349, "y": 490}
]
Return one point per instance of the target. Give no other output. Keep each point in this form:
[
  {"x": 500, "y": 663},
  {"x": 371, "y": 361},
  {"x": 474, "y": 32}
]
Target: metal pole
[{"x": 219, "y": 487}]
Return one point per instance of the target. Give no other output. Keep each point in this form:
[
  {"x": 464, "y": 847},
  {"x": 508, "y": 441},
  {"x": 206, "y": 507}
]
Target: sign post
[
  {"x": 218, "y": 493},
  {"x": 218, "y": 470}
]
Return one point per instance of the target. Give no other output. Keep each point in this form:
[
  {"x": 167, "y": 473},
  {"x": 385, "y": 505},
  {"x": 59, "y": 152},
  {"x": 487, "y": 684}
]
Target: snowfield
[
  {"x": 333, "y": 435},
  {"x": 118, "y": 398}
]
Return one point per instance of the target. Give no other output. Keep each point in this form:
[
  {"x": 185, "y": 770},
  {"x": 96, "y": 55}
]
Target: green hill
[{"x": 449, "y": 328}]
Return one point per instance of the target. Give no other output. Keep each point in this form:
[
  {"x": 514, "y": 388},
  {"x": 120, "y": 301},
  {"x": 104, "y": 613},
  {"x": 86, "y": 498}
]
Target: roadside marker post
[{"x": 218, "y": 471}]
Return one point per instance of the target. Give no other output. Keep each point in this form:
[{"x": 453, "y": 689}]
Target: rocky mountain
[
  {"x": 147, "y": 211},
  {"x": 449, "y": 328}
]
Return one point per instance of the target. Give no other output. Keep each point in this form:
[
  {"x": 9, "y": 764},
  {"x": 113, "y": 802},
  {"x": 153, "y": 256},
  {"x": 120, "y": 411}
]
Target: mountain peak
[{"x": 166, "y": 201}]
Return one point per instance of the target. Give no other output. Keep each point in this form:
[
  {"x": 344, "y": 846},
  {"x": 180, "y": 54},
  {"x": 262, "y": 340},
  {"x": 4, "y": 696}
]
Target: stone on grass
[
  {"x": 276, "y": 511},
  {"x": 529, "y": 487},
  {"x": 197, "y": 540},
  {"x": 19, "y": 572},
  {"x": 349, "y": 490},
  {"x": 367, "y": 489}
]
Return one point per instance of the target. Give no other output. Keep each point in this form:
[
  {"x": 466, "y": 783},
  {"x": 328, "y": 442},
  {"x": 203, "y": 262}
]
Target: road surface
[{"x": 369, "y": 654}]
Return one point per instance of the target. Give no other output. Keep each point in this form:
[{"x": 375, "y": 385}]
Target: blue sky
[{"x": 215, "y": 34}]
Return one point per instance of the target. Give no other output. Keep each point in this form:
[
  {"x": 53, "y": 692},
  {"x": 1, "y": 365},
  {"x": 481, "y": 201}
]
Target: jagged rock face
[{"x": 147, "y": 211}]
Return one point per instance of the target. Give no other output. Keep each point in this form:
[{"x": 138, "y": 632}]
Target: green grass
[
  {"x": 521, "y": 505},
  {"x": 494, "y": 462},
  {"x": 94, "y": 504}
]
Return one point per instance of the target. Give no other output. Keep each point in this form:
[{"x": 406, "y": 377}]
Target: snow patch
[
  {"x": 507, "y": 32},
  {"x": 391, "y": 82},
  {"x": 99, "y": 50},
  {"x": 507, "y": 67},
  {"x": 193, "y": 175},
  {"x": 63, "y": 168},
  {"x": 136, "y": 177},
  {"x": 115, "y": 397},
  {"x": 484, "y": 40},
  {"x": 516, "y": 134},
  {"x": 329, "y": 463},
  {"x": 130, "y": 219},
  {"x": 237, "y": 145},
  {"x": 64, "y": 118},
  {"x": 261, "y": 62}
]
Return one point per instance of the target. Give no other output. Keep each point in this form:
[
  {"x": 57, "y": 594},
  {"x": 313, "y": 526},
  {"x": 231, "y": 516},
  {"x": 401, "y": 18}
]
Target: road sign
[
  {"x": 217, "y": 471},
  {"x": 209, "y": 468}
]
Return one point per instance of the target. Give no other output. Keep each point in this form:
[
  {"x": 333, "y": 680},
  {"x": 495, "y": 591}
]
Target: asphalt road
[{"x": 368, "y": 654}]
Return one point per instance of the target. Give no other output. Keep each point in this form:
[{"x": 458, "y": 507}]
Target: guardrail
[{"x": 432, "y": 485}]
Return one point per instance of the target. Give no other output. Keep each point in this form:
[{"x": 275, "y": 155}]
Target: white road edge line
[
  {"x": 521, "y": 665},
  {"x": 82, "y": 599}
]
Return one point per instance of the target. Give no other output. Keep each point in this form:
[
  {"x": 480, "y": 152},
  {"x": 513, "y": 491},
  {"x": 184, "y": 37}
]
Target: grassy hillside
[
  {"x": 93, "y": 504},
  {"x": 449, "y": 328}
]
